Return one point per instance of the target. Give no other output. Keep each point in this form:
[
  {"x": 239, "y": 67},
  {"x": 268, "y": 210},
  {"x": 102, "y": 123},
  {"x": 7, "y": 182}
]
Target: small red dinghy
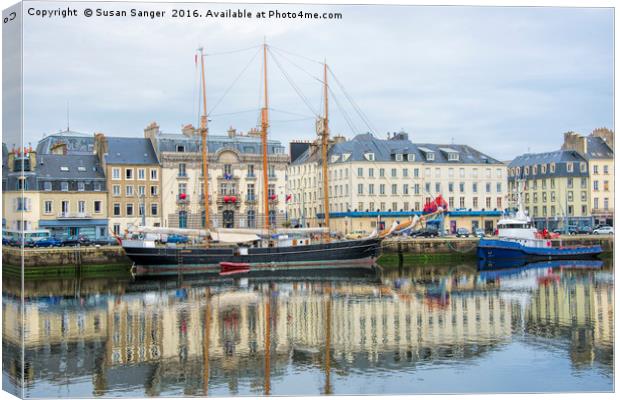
[{"x": 232, "y": 268}]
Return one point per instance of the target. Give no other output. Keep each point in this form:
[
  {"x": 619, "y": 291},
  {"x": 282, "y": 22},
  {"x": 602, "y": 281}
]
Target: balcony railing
[
  {"x": 251, "y": 199},
  {"x": 602, "y": 211},
  {"x": 74, "y": 215},
  {"x": 183, "y": 198}
]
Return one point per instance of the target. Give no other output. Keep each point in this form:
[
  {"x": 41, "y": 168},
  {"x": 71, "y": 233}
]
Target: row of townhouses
[{"x": 79, "y": 184}]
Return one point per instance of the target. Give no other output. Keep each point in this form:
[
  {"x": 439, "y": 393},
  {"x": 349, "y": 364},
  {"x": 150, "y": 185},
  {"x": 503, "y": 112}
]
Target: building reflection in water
[{"x": 187, "y": 338}]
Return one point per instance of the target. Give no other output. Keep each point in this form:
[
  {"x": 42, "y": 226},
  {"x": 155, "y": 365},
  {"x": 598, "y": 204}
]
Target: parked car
[
  {"x": 604, "y": 230},
  {"x": 177, "y": 239},
  {"x": 48, "y": 242},
  {"x": 571, "y": 230},
  {"x": 76, "y": 240},
  {"x": 479, "y": 232},
  {"x": 356, "y": 235},
  {"x": 462, "y": 232},
  {"x": 18, "y": 242},
  {"x": 6, "y": 241},
  {"x": 584, "y": 230},
  {"x": 426, "y": 232},
  {"x": 105, "y": 241}
]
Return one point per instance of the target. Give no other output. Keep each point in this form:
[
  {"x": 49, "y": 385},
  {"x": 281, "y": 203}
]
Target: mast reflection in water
[{"x": 424, "y": 329}]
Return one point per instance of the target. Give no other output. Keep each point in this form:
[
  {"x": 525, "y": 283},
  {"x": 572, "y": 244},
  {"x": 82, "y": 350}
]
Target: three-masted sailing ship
[{"x": 253, "y": 248}]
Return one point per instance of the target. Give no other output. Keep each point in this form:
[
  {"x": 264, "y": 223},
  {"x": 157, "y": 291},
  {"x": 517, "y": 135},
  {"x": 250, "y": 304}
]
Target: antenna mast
[
  {"x": 203, "y": 132},
  {"x": 264, "y": 126}
]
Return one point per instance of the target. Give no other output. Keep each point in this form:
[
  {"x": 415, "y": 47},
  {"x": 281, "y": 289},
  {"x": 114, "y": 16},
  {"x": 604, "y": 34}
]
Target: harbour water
[{"x": 390, "y": 330}]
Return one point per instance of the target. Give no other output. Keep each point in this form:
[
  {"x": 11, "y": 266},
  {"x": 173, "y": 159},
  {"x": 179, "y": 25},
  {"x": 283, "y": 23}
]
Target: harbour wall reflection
[{"x": 191, "y": 337}]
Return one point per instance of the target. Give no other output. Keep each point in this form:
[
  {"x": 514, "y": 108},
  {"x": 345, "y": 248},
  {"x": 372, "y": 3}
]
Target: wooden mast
[
  {"x": 203, "y": 132},
  {"x": 264, "y": 126},
  {"x": 324, "y": 143}
]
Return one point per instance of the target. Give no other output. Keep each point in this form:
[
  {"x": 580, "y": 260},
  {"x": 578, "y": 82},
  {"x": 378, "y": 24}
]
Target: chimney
[
  {"x": 101, "y": 147},
  {"x": 339, "y": 139},
  {"x": 188, "y": 130},
  {"x": 606, "y": 134},
  {"x": 32, "y": 155},
  {"x": 232, "y": 132},
  {"x": 574, "y": 141},
  {"x": 59, "y": 148},
  {"x": 151, "y": 130},
  {"x": 11, "y": 160},
  {"x": 253, "y": 132}
]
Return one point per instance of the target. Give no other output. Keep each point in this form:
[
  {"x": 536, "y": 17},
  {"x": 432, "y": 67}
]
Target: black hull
[{"x": 349, "y": 252}]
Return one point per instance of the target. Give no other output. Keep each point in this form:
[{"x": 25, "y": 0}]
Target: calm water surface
[{"x": 422, "y": 329}]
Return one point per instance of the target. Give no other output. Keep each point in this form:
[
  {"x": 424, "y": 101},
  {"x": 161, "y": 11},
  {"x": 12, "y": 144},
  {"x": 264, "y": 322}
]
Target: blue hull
[{"x": 495, "y": 249}]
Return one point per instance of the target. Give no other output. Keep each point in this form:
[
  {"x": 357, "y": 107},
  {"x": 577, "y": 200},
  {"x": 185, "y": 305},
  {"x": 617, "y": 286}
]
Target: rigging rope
[
  {"x": 290, "y": 81},
  {"x": 234, "y": 82},
  {"x": 220, "y": 53}
]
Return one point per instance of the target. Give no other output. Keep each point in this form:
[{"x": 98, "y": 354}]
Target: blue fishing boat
[{"x": 518, "y": 240}]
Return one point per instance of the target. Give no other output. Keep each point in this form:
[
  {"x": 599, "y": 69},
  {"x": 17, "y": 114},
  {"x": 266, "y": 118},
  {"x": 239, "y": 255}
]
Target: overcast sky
[{"x": 503, "y": 80}]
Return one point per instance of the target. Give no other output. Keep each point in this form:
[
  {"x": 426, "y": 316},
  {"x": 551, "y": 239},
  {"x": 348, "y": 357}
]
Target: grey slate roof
[
  {"x": 560, "y": 157},
  {"x": 77, "y": 143},
  {"x": 49, "y": 167},
  {"x": 386, "y": 149},
  {"x": 243, "y": 144},
  {"x": 598, "y": 149},
  {"x": 125, "y": 150}
]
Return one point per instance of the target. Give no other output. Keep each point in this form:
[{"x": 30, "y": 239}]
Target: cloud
[{"x": 480, "y": 75}]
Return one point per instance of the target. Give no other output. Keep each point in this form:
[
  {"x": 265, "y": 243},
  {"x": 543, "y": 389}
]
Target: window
[
  {"x": 416, "y": 172},
  {"x": 271, "y": 169},
  {"x": 116, "y": 209},
  {"x": 116, "y": 173},
  {"x": 153, "y": 190},
  {"x": 584, "y": 183},
  {"x": 182, "y": 219},
  {"x": 129, "y": 209},
  {"x": 141, "y": 209},
  {"x": 583, "y": 167},
  {"x": 371, "y": 172},
  {"x": 474, "y": 187},
  {"x": 569, "y": 167},
  {"x": 369, "y": 156},
  {"x": 416, "y": 188},
  {"x": 128, "y": 173},
  {"x": 180, "y": 148},
  {"x": 97, "y": 186},
  {"x": 250, "y": 171},
  {"x": 183, "y": 188},
  {"x": 453, "y": 156},
  {"x": 569, "y": 182},
  {"x": 462, "y": 202},
  {"x": 97, "y": 206},
  {"x": 427, "y": 187},
  {"x": 394, "y": 173},
  {"x": 438, "y": 187},
  {"x": 462, "y": 187},
  {"x": 154, "y": 209},
  {"x": 250, "y": 192},
  {"x": 153, "y": 174},
  {"x": 399, "y": 157},
  {"x": 271, "y": 190},
  {"x": 595, "y": 185},
  {"x": 570, "y": 195},
  {"x": 81, "y": 206},
  {"x": 64, "y": 186},
  {"x": 410, "y": 157},
  {"x": 606, "y": 169},
  {"x": 80, "y": 186},
  {"x": 405, "y": 190},
  {"x": 488, "y": 188},
  {"x": 360, "y": 172},
  {"x": 141, "y": 190},
  {"x": 499, "y": 203},
  {"x": 499, "y": 187},
  {"x": 595, "y": 203},
  {"x": 382, "y": 189},
  {"x": 437, "y": 173},
  {"x": 141, "y": 174},
  {"x": 606, "y": 186},
  {"x": 475, "y": 202},
  {"x": 430, "y": 156},
  {"x": 48, "y": 207},
  {"x": 394, "y": 189},
  {"x": 182, "y": 171},
  {"x": 360, "y": 188},
  {"x": 405, "y": 172},
  {"x": 371, "y": 189},
  {"x": 451, "y": 202},
  {"x": 251, "y": 219},
  {"x": 552, "y": 168},
  {"x": 488, "y": 202},
  {"x": 606, "y": 203},
  {"x": 47, "y": 186},
  {"x": 129, "y": 190},
  {"x": 583, "y": 196}
]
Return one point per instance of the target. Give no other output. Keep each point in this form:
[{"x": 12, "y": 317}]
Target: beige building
[
  {"x": 598, "y": 149},
  {"x": 134, "y": 181},
  {"x": 235, "y": 178},
  {"x": 555, "y": 187},
  {"x": 393, "y": 179}
]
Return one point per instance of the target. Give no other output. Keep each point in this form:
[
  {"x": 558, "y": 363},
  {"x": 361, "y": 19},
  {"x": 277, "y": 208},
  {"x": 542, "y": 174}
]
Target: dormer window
[
  {"x": 453, "y": 156},
  {"x": 335, "y": 158},
  {"x": 369, "y": 156},
  {"x": 399, "y": 157},
  {"x": 583, "y": 167},
  {"x": 345, "y": 156},
  {"x": 543, "y": 169},
  {"x": 47, "y": 186},
  {"x": 534, "y": 170},
  {"x": 64, "y": 186},
  {"x": 552, "y": 168},
  {"x": 64, "y": 169},
  {"x": 526, "y": 171},
  {"x": 429, "y": 154},
  {"x": 410, "y": 157},
  {"x": 82, "y": 169},
  {"x": 569, "y": 167},
  {"x": 180, "y": 148}
]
